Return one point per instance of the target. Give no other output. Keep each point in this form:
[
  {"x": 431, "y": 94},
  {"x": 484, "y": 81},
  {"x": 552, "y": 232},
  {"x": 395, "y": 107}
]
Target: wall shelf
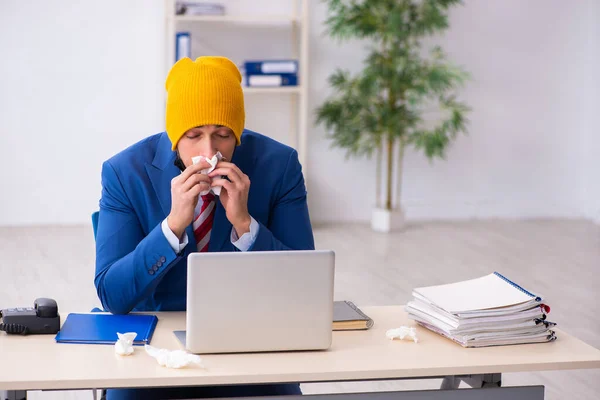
[{"x": 246, "y": 19}]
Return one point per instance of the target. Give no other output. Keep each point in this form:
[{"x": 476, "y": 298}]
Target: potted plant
[{"x": 390, "y": 104}]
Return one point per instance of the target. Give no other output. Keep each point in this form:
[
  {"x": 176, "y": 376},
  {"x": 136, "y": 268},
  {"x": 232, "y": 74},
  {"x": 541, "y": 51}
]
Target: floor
[{"x": 558, "y": 258}]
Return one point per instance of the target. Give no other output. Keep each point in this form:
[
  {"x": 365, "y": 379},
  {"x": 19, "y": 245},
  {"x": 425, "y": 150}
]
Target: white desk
[{"x": 37, "y": 362}]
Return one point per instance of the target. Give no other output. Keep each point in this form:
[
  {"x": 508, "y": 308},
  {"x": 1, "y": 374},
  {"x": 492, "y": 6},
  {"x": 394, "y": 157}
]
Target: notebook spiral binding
[
  {"x": 543, "y": 321},
  {"x": 537, "y": 298},
  {"x": 353, "y": 306}
]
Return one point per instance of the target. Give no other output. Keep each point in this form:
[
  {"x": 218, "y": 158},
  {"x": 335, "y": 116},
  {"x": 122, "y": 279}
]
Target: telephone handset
[{"x": 42, "y": 318}]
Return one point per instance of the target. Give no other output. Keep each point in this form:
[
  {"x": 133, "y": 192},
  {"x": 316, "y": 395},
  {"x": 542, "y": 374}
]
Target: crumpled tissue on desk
[
  {"x": 402, "y": 332},
  {"x": 174, "y": 358},
  {"x": 124, "y": 346}
]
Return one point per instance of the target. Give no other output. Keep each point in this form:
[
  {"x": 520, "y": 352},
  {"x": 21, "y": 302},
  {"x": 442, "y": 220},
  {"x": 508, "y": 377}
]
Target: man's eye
[
  {"x": 224, "y": 135},
  {"x": 192, "y": 136}
]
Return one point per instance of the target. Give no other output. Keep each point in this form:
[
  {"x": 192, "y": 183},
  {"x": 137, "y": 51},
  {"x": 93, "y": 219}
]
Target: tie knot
[{"x": 208, "y": 197}]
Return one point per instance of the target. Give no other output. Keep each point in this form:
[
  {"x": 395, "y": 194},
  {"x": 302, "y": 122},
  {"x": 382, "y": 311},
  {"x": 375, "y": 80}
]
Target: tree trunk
[
  {"x": 399, "y": 174},
  {"x": 390, "y": 172},
  {"x": 378, "y": 178}
]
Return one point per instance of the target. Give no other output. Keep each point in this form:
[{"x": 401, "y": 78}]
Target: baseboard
[
  {"x": 488, "y": 210},
  {"x": 460, "y": 210}
]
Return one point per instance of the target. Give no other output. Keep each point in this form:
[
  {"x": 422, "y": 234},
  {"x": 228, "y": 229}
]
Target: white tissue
[
  {"x": 173, "y": 359},
  {"x": 402, "y": 332},
  {"x": 213, "y": 164},
  {"x": 124, "y": 346}
]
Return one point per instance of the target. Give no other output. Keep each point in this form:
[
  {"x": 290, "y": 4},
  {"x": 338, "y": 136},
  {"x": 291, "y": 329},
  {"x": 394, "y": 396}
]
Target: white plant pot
[{"x": 387, "y": 221}]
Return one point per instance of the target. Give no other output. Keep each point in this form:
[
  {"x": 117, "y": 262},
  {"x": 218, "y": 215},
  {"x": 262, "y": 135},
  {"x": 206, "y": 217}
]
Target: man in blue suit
[{"x": 158, "y": 206}]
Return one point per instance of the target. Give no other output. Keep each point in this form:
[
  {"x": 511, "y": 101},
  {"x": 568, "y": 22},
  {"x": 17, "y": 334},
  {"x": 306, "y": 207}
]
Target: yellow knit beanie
[{"x": 207, "y": 91}]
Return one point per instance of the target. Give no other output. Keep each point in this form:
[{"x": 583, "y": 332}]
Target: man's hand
[
  {"x": 185, "y": 190},
  {"x": 234, "y": 195}
]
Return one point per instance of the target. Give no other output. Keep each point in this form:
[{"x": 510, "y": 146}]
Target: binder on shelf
[
  {"x": 267, "y": 67},
  {"x": 183, "y": 45},
  {"x": 272, "y": 80},
  {"x": 187, "y": 7}
]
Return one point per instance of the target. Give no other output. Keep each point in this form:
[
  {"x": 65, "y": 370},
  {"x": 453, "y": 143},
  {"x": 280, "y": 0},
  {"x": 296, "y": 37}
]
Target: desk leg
[
  {"x": 13, "y": 394},
  {"x": 475, "y": 381},
  {"x": 483, "y": 380},
  {"x": 450, "y": 382}
]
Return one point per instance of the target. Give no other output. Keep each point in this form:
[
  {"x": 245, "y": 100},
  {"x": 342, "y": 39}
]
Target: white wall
[
  {"x": 72, "y": 97},
  {"x": 592, "y": 140},
  {"x": 68, "y": 101}
]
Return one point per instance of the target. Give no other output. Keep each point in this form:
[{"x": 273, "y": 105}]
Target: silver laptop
[{"x": 259, "y": 301}]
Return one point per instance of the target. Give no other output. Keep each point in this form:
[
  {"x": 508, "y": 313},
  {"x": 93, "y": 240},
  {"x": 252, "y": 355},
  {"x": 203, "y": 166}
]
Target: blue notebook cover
[{"x": 102, "y": 328}]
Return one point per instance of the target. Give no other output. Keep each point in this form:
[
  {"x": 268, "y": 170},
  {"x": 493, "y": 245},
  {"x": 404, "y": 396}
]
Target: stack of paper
[{"x": 487, "y": 311}]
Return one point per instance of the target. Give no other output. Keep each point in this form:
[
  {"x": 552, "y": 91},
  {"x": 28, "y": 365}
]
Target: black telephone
[{"x": 42, "y": 318}]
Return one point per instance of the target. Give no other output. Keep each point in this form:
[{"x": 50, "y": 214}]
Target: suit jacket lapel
[
  {"x": 161, "y": 181},
  {"x": 162, "y": 171}
]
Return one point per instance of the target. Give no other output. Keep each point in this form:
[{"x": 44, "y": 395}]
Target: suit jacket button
[
  {"x": 151, "y": 271},
  {"x": 155, "y": 268},
  {"x": 163, "y": 259},
  {"x": 159, "y": 264}
]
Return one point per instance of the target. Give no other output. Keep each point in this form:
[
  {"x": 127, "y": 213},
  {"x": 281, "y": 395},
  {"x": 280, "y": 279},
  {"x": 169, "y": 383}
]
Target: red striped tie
[{"x": 203, "y": 223}]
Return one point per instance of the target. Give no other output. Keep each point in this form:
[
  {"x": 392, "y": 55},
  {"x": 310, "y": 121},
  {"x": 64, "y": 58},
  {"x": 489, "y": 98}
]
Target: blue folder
[
  {"x": 285, "y": 80},
  {"x": 270, "y": 67},
  {"x": 102, "y": 328}
]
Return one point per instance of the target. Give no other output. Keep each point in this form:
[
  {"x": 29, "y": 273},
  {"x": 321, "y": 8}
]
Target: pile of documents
[{"x": 487, "y": 311}]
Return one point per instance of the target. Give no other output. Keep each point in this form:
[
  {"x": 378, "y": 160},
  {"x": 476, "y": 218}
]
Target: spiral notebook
[
  {"x": 486, "y": 293},
  {"x": 488, "y": 311},
  {"x": 96, "y": 328}
]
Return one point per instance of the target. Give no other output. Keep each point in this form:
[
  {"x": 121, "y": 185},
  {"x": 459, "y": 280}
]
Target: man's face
[{"x": 205, "y": 141}]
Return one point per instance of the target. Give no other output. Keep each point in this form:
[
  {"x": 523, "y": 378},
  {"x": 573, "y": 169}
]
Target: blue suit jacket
[{"x": 136, "y": 268}]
